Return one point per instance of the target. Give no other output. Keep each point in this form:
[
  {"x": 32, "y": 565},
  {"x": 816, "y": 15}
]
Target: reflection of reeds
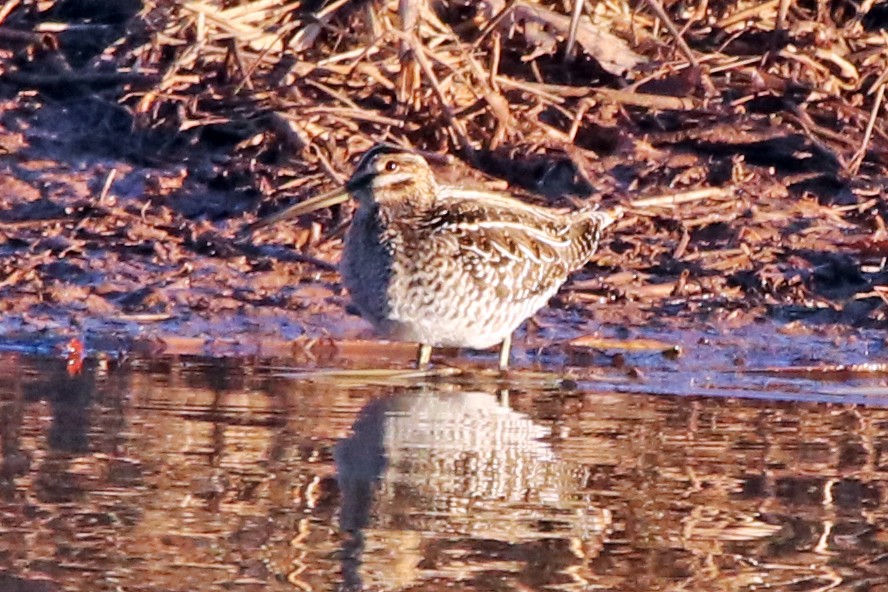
[{"x": 743, "y": 493}]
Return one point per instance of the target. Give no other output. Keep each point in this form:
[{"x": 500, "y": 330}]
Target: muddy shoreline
[{"x": 120, "y": 231}]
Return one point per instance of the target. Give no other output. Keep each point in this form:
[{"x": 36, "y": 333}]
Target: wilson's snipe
[{"x": 449, "y": 267}]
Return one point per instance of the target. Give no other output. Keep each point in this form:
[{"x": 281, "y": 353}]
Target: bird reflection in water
[{"x": 430, "y": 476}]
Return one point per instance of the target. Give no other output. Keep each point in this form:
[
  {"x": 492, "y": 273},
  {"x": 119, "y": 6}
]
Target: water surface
[{"x": 175, "y": 474}]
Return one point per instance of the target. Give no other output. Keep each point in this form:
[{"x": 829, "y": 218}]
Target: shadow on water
[{"x": 198, "y": 474}]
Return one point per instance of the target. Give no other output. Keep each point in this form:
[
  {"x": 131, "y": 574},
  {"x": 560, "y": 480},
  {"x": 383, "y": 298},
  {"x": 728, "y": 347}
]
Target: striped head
[{"x": 391, "y": 176}]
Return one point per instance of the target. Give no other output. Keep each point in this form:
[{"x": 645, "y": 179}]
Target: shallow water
[{"x": 175, "y": 474}]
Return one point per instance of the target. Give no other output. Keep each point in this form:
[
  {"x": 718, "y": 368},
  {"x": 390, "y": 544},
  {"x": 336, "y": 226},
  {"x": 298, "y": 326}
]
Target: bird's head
[
  {"x": 386, "y": 175},
  {"x": 391, "y": 176}
]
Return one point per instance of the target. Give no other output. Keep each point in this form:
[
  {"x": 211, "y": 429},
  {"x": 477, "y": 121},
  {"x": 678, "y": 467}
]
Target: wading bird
[{"x": 449, "y": 267}]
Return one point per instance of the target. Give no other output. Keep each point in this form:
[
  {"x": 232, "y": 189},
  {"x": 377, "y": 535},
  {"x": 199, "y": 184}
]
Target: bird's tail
[{"x": 587, "y": 236}]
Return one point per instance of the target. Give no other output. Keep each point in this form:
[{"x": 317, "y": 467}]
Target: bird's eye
[{"x": 391, "y": 166}]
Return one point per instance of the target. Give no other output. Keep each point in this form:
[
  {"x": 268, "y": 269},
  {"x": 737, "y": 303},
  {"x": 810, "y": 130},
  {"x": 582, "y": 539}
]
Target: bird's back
[{"x": 514, "y": 232}]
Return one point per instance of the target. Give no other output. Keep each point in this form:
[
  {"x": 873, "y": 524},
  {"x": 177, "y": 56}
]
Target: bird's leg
[
  {"x": 425, "y": 355},
  {"x": 505, "y": 350},
  {"x": 504, "y": 397}
]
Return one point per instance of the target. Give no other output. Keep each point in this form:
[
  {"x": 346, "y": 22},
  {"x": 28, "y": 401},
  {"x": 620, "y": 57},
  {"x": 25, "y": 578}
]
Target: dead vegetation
[{"x": 773, "y": 109}]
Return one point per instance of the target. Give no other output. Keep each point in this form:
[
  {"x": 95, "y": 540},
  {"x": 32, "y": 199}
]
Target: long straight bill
[{"x": 324, "y": 200}]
